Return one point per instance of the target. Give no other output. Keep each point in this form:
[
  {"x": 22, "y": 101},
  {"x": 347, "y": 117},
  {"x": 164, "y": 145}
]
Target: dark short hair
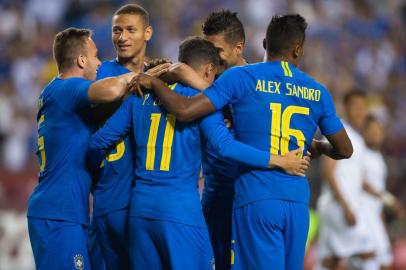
[
  {"x": 226, "y": 23},
  {"x": 283, "y": 32},
  {"x": 370, "y": 120},
  {"x": 195, "y": 51},
  {"x": 352, "y": 94},
  {"x": 68, "y": 45},
  {"x": 136, "y": 10}
]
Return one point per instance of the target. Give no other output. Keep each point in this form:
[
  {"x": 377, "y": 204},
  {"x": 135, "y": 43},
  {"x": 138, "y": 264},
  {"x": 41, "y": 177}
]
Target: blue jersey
[
  {"x": 278, "y": 108},
  {"x": 64, "y": 128},
  {"x": 113, "y": 188},
  {"x": 168, "y": 156}
]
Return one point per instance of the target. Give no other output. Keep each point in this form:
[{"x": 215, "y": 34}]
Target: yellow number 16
[{"x": 280, "y": 128}]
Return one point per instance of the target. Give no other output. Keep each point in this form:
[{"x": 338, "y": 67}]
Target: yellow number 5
[
  {"x": 120, "y": 149},
  {"x": 280, "y": 128},
  {"x": 41, "y": 146}
]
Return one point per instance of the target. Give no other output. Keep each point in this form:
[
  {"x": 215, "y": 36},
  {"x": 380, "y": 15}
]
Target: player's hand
[
  {"x": 292, "y": 163},
  {"x": 349, "y": 217},
  {"x": 158, "y": 70},
  {"x": 140, "y": 82}
]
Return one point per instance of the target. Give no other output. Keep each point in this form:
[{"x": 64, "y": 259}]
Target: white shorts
[
  {"x": 338, "y": 239},
  {"x": 378, "y": 232}
]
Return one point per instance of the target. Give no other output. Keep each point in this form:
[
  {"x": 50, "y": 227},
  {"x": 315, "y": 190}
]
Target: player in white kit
[
  {"x": 343, "y": 222},
  {"x": 376, "y": 194}
]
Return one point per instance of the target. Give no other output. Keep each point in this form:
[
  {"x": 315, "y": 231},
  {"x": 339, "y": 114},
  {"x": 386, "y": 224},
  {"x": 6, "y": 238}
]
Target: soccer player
[
  {"x": 277, "y": 107},
  {"x": 226, "y": 32},
  {"x": 377, "y": 196},
  {"x": 130, "y": 33},
  {"x": 58, "y": 209},
  {"x": 344, "y": 223},
  {"x": 167, "y": 227}
]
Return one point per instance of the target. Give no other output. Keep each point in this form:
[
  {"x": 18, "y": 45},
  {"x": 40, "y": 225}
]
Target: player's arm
[
  {"x": 110, "y": 89},
  {"x": 387, "y": 198},
  {"x": 227, "y": 147},
  {"x": 185, "y": 109},
  {"x": 339, "y": 145},
  {"x": 225, "y": 90},
  {"x": 103, "y": 111},
  {"x": 181, "y": 72},
  {"x": 329, "y": 166},
  {"x": 115, "y": 128}
]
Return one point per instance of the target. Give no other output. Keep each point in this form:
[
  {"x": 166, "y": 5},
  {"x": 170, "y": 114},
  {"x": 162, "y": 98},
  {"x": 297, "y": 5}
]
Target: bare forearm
[
  {"x": 339, "y": 146},
  {"x": 185, "y": 109},
  {"x": 327, "y": 149},
  {"x": 329, "y": 167},
  {"x": 110, "y": 89},
  {"x": 369, "y": 189},
  {"x": 184, "y": 74}
]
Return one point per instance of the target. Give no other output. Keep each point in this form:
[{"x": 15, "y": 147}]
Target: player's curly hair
[
  {"x": 285, "y": 31},
  {"x": 68, "y": 45},
  {"x": 226, "y": 23},
  {"x": 195, "y": 51}
]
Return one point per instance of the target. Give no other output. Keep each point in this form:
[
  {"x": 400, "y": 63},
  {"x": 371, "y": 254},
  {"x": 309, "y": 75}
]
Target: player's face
[
  {"x": 227, "y": 51},
  {"x": 374, "y": 134},
  {"x": 130, "y": 35},
  {"x": 92, "y": 61},
  {"x": 357, "y": 111}
]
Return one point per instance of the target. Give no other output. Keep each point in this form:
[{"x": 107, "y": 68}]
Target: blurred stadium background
[{"x": 350, "y": 44}]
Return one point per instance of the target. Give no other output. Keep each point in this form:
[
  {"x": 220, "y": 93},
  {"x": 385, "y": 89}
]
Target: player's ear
[
  {"x": 239, "y": 48},
  {"x": 81, "y": 61},
  {"x": 298, "y": 51},
  {"x": 207, "y": 70},
  {"x": 148, "y": 33},
  {"x": 264, "y": 43}
]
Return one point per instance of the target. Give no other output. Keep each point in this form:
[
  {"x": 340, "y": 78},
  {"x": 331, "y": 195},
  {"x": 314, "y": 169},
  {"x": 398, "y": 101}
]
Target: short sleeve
[
  {"x": 329, "y": 122},
  {"x": 74, "y": 94},
  {"x": 227, "y": 89}
]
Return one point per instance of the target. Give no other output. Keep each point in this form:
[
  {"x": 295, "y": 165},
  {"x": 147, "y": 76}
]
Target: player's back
[
  {"x": 276, "y": 107},
  {"x": 113, "y": 188},
  {"x": 64, "y": 127},
  {"x": 168, "y": 160}
]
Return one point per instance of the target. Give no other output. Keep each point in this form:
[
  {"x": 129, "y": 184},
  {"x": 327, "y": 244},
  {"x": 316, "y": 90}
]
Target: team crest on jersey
[{"x": 79, "y": 262}]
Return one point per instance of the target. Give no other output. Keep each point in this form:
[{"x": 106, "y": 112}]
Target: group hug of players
[{"x": 137, "y": 136}]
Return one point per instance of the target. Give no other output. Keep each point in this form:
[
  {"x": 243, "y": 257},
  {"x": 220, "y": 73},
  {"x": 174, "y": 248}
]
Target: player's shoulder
[
  {"x": 183, "y": 89},
  {"x": 68, "y": 83},
  {"x": 110, "y": 68}
]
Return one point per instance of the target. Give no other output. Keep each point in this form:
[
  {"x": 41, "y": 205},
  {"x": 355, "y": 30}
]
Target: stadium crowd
[{"x": 350, "y": 44}]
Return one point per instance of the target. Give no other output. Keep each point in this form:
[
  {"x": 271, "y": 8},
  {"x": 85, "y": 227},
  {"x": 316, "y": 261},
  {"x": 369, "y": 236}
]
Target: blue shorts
[
  {"x": 270, "y": 233},
  {"x": 95, "y": 252},
  {"x": 58, "y": 244},
  {"x": 158, "y": 244},
  {"x": 219, "y": 220},
  {"x": 112, "y": 231}
]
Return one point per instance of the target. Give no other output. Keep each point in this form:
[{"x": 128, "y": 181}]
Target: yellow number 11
[
  {"x": 280, "y": 128},
  {"x": 167, "y": 143}
]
